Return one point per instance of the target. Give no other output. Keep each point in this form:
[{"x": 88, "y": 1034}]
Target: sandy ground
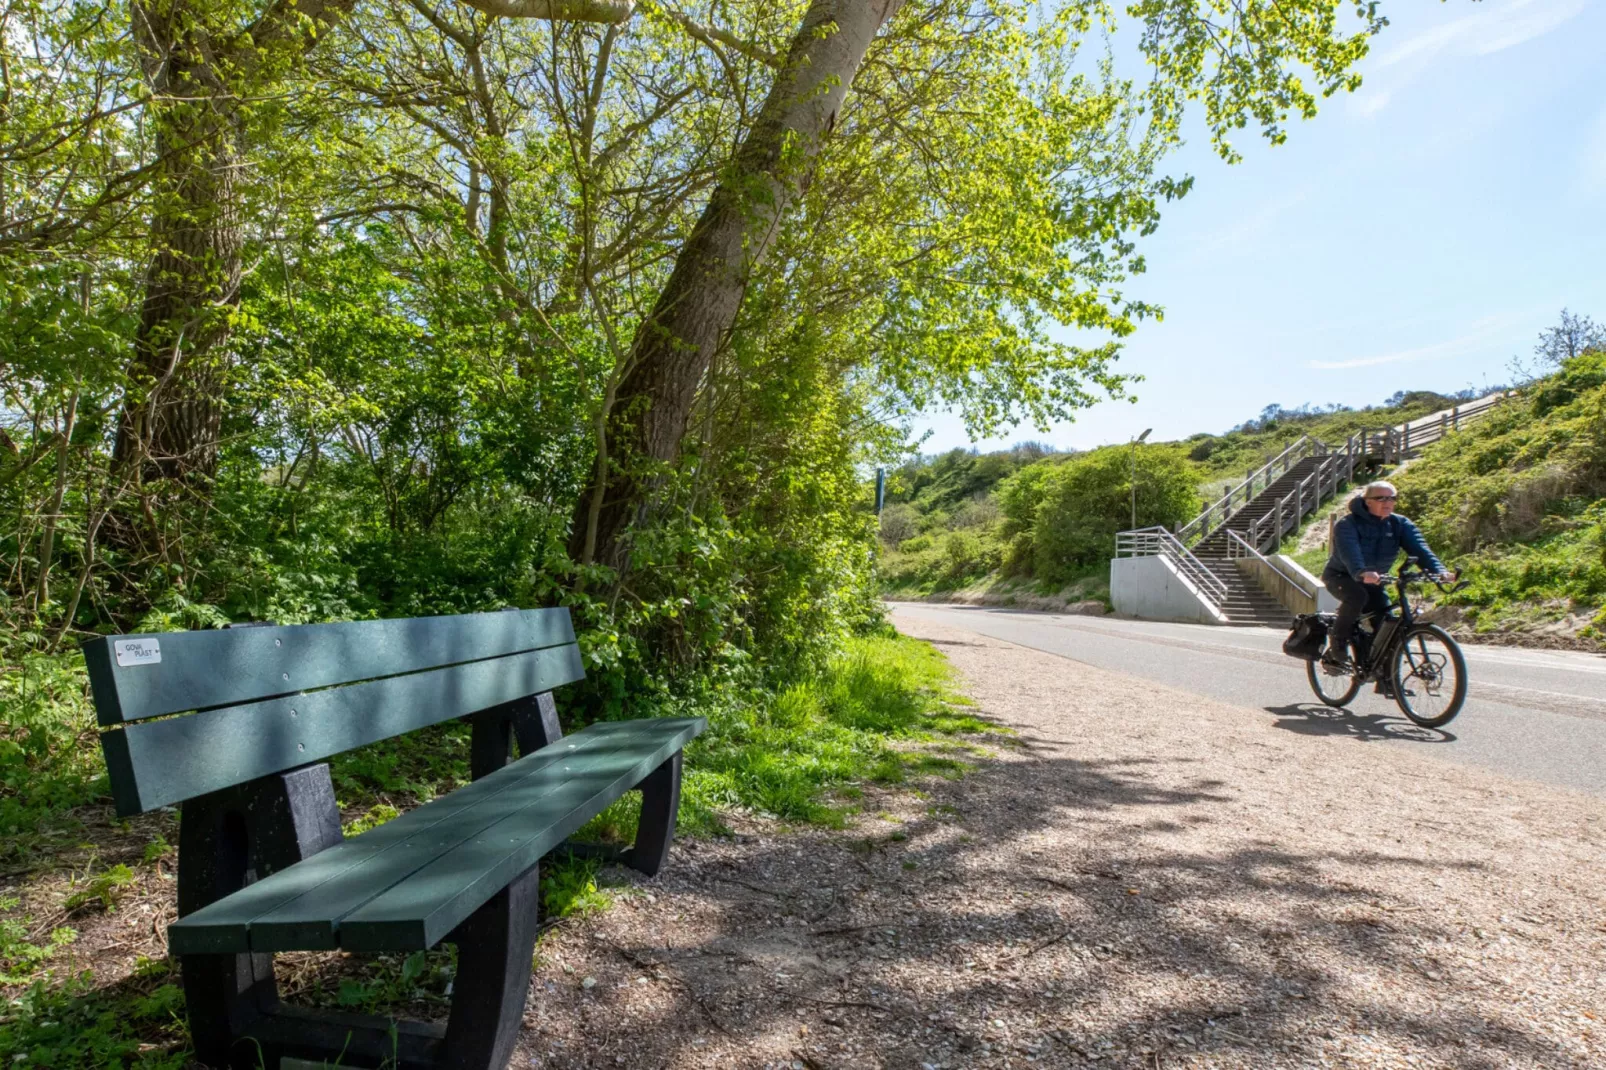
[{"x": 1144, "y": 878}]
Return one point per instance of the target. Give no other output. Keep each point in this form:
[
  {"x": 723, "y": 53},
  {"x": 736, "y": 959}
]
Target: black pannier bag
[{"x": 1307, "y": 637}]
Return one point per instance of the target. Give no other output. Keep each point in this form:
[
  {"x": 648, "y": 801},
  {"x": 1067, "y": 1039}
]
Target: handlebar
[{"x": 1409, "y": 573}]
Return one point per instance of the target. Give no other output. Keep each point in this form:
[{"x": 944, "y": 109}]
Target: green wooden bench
[{"x": 263, "y": 865}]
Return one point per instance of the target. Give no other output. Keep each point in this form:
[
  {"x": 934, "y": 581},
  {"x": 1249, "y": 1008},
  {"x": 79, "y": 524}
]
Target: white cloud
[
  {"x": 1440, "y": 349},
  {"x": 1520, "y": 24},
  {"x": 1492, "y": 27},
  {"x": 1477, "y": 338},
  {"x": 1370, "y": 103},
  {"x": 1245, "y": 233}
]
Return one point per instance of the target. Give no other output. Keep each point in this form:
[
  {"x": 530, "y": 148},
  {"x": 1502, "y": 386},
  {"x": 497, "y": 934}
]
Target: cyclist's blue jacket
[{"x": 1366, "y": 543}]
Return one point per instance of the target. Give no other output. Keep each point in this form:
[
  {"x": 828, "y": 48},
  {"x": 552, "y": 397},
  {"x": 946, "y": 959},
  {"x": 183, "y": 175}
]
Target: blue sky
[{"x": 1415, "y": 235}]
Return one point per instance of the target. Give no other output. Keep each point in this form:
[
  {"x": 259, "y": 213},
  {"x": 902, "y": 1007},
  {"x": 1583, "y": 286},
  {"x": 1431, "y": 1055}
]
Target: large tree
[
  {"x": 1245, "y": 59},
  {"x": 207, "y": 67}
]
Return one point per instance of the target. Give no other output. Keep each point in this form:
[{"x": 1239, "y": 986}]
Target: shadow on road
[
  {"x": 930, "y": 945},
  {"x": 1315, "y": 719}
]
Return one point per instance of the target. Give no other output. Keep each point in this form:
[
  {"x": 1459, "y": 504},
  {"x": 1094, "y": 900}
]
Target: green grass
[
  {"x": 76, "y": 1022},
  {"x": 860, "y": 720}
]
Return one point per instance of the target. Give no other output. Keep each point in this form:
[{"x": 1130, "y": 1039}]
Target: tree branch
[
  {"x": 557, "y": 10},
  {"x": 709, "y": 35}
]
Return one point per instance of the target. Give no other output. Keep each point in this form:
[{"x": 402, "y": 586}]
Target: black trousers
[{"x": 1354, "y": 599}]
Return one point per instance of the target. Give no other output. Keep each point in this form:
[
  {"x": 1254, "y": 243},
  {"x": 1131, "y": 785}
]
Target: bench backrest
[{"x": 267, "y": 699}]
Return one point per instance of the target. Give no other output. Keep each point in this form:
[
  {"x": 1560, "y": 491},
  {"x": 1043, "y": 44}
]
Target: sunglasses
[{"x": 1384, "y": 498}]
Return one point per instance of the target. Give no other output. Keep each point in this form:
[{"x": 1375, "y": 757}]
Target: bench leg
[
  {"x": 227, "y": 840},
  {"x": 495, "y": 947},
  {"x": 532, "y": 721},
  {"x": 660, "y": 803}
]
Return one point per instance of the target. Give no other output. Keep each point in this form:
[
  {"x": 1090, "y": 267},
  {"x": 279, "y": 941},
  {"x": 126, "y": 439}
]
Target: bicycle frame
[
  {"x": 1377, "y": 657},
  {"x": 1413, "y": 662}
]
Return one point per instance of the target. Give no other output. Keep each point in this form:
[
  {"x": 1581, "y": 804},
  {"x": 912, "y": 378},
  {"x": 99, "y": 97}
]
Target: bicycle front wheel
[
  {"x": 1430, "y": 676},
  {"x": 1335, "y": 691}
]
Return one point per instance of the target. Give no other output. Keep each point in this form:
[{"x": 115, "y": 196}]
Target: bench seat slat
[
  {"x": 162, "y": 762},
  {"x": 420, "y": 911},
  {"x": 202, "y": 669},
  {"x": 305, "y": 908},
  {"x": 319, "y": 887},
  {"x": 395, "y": 868}
]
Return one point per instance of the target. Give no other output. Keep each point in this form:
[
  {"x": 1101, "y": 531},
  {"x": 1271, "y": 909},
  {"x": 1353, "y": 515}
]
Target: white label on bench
[{"x": 137, "y": 651}]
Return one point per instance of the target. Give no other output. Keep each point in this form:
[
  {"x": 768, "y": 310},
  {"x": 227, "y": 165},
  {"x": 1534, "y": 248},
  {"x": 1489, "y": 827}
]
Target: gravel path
[{"x": 1145, "y": 878}]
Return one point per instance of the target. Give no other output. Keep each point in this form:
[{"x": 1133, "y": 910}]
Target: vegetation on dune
[
  {"x": 1030, "y": 521},
  {"x": 1516, "y": 500},
  {"x": 1229, "y": 457},
  {"x": 1520, "y": 500}
]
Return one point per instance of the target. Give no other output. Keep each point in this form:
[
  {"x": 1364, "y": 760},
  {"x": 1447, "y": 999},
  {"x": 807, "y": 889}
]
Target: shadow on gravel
[
  {"x": 1315, "y": 719},
  {"x": 966, "y": 939}
]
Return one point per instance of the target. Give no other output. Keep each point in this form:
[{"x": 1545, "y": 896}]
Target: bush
[
  {"x": 1089, "y": 498},
  {"x": 979, "y": 512},
  {"x": 969, "y": 554},
  {"x": 899, "y": 521},
  {"x": 1021, "y": 494}
]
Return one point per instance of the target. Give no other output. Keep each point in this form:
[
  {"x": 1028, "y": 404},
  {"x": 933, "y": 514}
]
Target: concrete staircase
[
  {"x": 1219, "y": 552},
  {"x": 1246, "y": 604},
  {"x": 1253, "y": 514}
]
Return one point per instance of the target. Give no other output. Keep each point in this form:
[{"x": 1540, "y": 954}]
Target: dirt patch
[
  {"x": 1148, "y": 879},
  {"x": 1071, "y": 600}
]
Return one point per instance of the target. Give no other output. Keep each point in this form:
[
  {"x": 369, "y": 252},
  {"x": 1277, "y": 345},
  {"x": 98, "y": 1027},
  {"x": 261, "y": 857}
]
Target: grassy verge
[
  {"x": 73, "y": 878},
  {"x": 997, "y": 589}
]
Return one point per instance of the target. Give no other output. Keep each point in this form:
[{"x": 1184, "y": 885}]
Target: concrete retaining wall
[
  {"x": 1275, "y": 582},
  {"x": 1150, "y": 588}
]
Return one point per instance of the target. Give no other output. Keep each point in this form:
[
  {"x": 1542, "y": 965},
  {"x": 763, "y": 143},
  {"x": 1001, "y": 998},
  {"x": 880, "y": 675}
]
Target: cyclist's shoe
[
  {"x": 1334, "y": 664},
  {"x": 1384, "y": 688}
]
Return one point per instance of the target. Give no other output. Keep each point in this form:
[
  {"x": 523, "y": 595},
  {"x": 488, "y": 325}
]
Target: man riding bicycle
[{"x": 1365, "y": 544}]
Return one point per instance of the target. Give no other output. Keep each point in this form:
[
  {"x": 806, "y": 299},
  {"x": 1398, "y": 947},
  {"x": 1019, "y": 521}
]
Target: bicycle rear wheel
[
  {"x": 1430, "y": 676},
  {"x": 1335, "y": 691}
]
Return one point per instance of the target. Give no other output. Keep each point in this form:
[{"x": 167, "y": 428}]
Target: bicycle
[{"x": 1419, "y": 662}]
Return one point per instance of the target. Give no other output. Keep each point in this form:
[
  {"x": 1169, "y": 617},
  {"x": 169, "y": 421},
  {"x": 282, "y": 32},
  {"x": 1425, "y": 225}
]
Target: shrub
[
  {"x": 980, "y": 512},
  {"x": 1021, "y": 494},
  {"x": 964, "y": 554},
  {"x": 1089, "y": 498},
  {"x": 899, "y": 521}
]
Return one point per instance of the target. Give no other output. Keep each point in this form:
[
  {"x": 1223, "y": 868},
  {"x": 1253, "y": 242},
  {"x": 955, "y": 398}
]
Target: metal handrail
[
  {"x": 1235, "y": 541},
  {"x": 1393, "y": 443},
  {"x": 1158, "y": 542},
  {"x": 1302, "y": 446},
  {"x": 1326, "y": 477}
]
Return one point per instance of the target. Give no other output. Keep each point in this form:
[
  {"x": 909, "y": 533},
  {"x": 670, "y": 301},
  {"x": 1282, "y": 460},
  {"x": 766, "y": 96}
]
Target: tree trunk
[
  {"x": 47, "y": 541},
  {"x": 171, "y": 422},
  {"x": 675, "y": 346},
  {"x": 199, "y": 69}
]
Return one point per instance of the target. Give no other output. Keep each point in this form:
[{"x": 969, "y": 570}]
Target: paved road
[{"x": 1534, "y": 714}]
